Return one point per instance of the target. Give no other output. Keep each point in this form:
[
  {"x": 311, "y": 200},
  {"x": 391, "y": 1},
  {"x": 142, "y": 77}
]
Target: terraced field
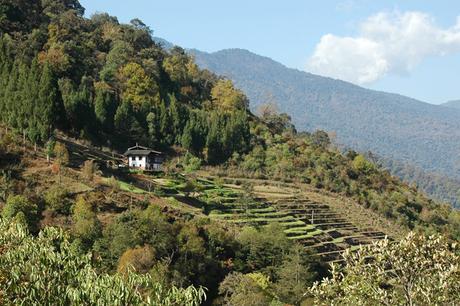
[
  {"x": 320, "y": 227},
  {"x": 321, "y": 223}
]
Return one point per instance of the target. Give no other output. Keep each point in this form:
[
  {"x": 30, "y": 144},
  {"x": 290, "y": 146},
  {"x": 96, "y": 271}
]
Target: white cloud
[{"x": 388, "y": 43}]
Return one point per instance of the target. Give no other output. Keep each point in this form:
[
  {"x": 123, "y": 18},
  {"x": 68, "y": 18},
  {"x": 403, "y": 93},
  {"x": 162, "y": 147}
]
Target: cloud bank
[{"x": 388, "y": 43}]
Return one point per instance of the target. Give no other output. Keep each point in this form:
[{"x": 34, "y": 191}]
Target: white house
[{"x": 144, "y": 158}]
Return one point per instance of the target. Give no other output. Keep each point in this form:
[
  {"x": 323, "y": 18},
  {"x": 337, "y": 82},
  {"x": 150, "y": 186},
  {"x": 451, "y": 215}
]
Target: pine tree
[
  {"x": 21, "y": 112},
  {"x": 10, "y": 94},
  {"x": 214, "y": 141},
  {"x": 165, "y": 126},
  {"x": 104, "y": 108},
  {"x": 47, "y": 103},
  {"x": 187, "y": 137},
  {"x": 152, "y": 128},
  {"x": 4, "y": 80},
  {"x": 178, "y": 117},
  {"x": 30, "y": 103},
  {"x": 124, "y": 118}
]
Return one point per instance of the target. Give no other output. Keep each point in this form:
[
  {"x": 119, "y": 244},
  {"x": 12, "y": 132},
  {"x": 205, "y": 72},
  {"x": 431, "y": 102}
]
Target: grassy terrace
[{"x": 320, "y": 227}]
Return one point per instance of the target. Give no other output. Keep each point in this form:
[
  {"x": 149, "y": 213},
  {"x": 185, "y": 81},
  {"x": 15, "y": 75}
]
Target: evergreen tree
[
  {"x": 20, "y": 113},
  {"x": 214, "y": 141},
  {"x": 104, "y": 108},
  {"x": 176, "y": 119},
  {"x": 10, "y": 93},
  {"x": 166, "y": 126},
  {"x": 124, "y": 118},
  {"x": 152, "y": 127},
  {"x": 187, "y": 137},
  {"x": 30, "y": 102},
  {"x": 47, "y": 103}
]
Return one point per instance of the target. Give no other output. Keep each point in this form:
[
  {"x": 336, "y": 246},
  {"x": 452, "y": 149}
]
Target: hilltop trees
[
  {"x": 137, "y": 87},
  {"x": 225, "y": 96},
  {"x": 28, "y": 99},
  {"x": 110, "y": 82}
]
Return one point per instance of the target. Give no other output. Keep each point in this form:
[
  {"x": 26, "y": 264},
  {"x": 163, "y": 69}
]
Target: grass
[
  {"x": 126, "y": 186},
  {"x": 308, "y": 235},
  {"x": 263, "y": 210},
  {"x": 338, "y": 240},
  {"x": 130, "y": 188},
  {"x": 293, "y": 223},
  {"x": 223, "y": 204},
  {"x": 296, "y": 230},
  {"x": 74, "y": 186},
  {"x": 221, "y": 216}
]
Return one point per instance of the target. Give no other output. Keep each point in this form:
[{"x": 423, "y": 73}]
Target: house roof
[{"x": 141, "y": 151}]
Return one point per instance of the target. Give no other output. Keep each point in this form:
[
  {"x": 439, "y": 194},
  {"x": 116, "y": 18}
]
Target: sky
[{"x": 410, "y": 47}]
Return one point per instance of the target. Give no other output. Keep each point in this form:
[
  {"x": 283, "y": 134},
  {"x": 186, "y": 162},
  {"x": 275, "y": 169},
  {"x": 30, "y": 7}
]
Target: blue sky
[{"x": 408, "y": 47}]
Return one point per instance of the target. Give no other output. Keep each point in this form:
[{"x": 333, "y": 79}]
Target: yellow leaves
[
  {"x": 180, "y": 68},
  {"x": 56, "y": 57},
  {"x": 137, "y": 87},
  {"x": 61, "y": 153},
  {"x": 139, "y": 259},
  {"x": 83, "y": 209},
  {"x": 102, "y": 86},
  {"x": 111, "y": 32},
  {"x": 360, "y": 163},
  {"x": 261, "y": 280},
  {"x": 227, "y": 97},
  {"x": 193, "y": 69}
]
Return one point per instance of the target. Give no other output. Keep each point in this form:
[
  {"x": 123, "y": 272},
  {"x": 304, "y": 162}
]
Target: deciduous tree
[{"x": 418, "y": 270}]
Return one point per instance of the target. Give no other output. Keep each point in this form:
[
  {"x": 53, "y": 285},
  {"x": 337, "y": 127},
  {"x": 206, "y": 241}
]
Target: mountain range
[
  {"x": 391, "y": 125},
  {"x": 452, "y": 104}
]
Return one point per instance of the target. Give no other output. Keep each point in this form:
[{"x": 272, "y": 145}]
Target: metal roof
[{"x": 139, "y": 150}]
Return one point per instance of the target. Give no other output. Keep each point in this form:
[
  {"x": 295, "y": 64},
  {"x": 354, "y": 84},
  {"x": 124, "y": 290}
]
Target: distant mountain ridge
[
  {"x": 452, "y": 104},
  {"x": 391, "y": 125}
]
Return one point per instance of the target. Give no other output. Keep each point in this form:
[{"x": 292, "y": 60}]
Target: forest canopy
[{"x": 111, "y": 84}]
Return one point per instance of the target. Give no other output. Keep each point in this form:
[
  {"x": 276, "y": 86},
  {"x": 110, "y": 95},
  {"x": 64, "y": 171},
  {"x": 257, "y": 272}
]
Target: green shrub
[
  {"x": 86, "y": 225},
  {"x": 418, "y": 270},
  {"x": 20, "y": 205},
  {"x": 113, "y": 183},
  {"x": 89, "y": 169},
  {"x": 47, "y": 270},
  {"x": 191, "y": 163},
  {"x": 56, "y": 199}
]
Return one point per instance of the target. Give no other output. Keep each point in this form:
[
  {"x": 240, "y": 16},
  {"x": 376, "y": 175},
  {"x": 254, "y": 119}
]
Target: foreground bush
[
  {"x": 47, "y": 270},
  {"x": 418, "y": 270}
]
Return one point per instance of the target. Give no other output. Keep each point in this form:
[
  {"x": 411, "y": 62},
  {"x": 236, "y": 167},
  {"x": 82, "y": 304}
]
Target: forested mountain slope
[
  {"x": 245, "y": 205},
  {"x": 437, "y": 186},
  {"x": 391, "y": 125}
]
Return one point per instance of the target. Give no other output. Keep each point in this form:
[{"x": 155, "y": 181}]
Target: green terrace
[{"x": 323, "y": 230}]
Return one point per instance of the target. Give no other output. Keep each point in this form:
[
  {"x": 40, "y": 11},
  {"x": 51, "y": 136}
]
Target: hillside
[
  {"x": 437, "y": 186},
  {"x": 246, "y": 210},
  {"x": 390, "y": 125},
  {"x": 452, "y": 104}
]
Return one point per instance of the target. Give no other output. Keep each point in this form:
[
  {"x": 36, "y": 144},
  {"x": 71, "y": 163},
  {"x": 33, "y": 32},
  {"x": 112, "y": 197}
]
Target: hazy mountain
[
  {"x": 452, "y": 104},
  {"x": 392, "y": 125},
  {"x": 163, "y": 42}
]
